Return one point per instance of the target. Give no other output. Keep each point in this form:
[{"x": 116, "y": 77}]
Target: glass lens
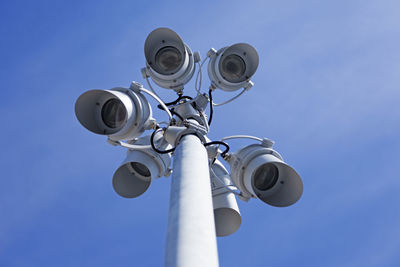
[
  {"x": 266, "y": 176},
  {"x": 232, "y": 68},
  {"x": 113, "y": 113},
  {"x": 168, "y": 59},
  {"x": 140, "y": 169}
]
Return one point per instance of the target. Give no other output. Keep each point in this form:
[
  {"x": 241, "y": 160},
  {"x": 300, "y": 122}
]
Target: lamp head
[
  {"x": 261, "y": 172},
  {"x": 226, "y": 211},
  {"x": 140, "y": 168},
  {"x": 231, "y": 68},
  {"x": 169, "y": 61},
  {"x": 119, "y": 113}
]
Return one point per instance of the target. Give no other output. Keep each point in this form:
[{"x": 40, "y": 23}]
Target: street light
[
  {"x": 226, "y": 211},
  {"x": 203, "y": 193},
  {"x": 119, "y": 113},
  {"x": 259, "y": 171},
  {"x": 169, "y": 61},
  {"x": 141, "y": 167},
  {"x": 231, "y": 67}
]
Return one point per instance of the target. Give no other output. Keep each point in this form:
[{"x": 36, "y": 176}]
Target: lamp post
[
  {"x": 202, "y": 199},
  {"x": 191, "y": 239}
]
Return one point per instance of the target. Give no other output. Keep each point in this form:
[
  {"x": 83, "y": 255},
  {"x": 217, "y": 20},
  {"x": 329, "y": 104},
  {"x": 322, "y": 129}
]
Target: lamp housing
[
  {"x": 169, "y": 61},
  {"x": 226, "y": 211},
  {"x": 141, "y": 167},
  {"x": 230, "y": 68},
  {"x": 120, "y": 113},
  {"x": 260, "y": 172}
]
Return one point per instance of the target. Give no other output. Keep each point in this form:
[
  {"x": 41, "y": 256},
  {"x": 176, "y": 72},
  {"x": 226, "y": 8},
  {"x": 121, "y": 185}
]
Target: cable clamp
[
  {"x": 145, "y": 75},
  {"x": 196, "y": 57},
  {"x": 248, "y": 85},
  {"x": 194, "y": 126},
  {"x": 268, "y": 143},
  {"x": 136, "y": 87},
  {"x": 211, "y": 52},
  {"x": 244, "y": 197},
  {"x": 113, "y": 142}
]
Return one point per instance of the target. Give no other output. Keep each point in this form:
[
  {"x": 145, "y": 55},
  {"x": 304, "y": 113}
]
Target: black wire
[
  {"x": 180, "y": 97},
  {"x": 219, "y": 143},
  {"x": 156, "y": 149},
  {"x": 177, "y": 114},
  {"x": 211, "y": 107}
]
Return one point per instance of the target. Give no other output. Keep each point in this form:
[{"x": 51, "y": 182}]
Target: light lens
[
  {"x": 232, "y": 68},
  {"x": 168, "y": 59},
  {"x": 113, "y": 113},
  {"x": 140, "y": 169},
  {"x": 266, "y": 177}
]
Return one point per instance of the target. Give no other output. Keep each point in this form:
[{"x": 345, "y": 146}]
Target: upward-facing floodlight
[
  {"x": 260, "y": 172},
  {"x": 231, "y": 68},
  {"x": 169, "y": 61},
  {"x": 141, "y": 167},
  {"x": 120, "y": 113},
  {"x": 226, "y": 211}
]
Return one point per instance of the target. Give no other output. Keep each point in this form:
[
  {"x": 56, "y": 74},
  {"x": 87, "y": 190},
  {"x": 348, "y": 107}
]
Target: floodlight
[
  {"x": 119, "y": 113},
  {"x": 231, "y": 68},
  {"x": 260, "y": 172},
  {"x": 226, "y": 211},
  {"x": 169, "y": 61},
  {"x": 141, "y": 167}
]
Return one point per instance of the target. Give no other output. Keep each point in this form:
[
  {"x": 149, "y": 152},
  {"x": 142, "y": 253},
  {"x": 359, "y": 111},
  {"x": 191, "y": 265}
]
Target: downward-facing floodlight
[
  {"x": 226, "y": 211},
  {"x": 169, "y": 61},
  {"x": 260, "y": 172},
  {"x": 120, "y": 113},
  {"x": 231, "y": 68},
  {"x": 141, "y": 167}
]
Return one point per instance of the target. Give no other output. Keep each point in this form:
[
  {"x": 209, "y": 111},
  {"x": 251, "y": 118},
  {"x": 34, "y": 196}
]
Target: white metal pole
[{"x": 191, "y": 239}]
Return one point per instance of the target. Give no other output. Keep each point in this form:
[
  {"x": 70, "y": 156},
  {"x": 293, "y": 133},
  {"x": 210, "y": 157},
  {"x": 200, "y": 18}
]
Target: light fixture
[
  {"x": 226, "y": 211},
  {"x": 231, "y": 68},
  {"x": 141, "y": 167},
  {"x": 169, "y": 61},
  {"x": 119, "y": 113},
  {"x": 260, "y": 172},
  {"x": 124, "y": 114}
]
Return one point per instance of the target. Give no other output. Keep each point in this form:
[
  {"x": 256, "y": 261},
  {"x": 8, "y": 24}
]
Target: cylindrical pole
[{"x": 191, "y": 239}]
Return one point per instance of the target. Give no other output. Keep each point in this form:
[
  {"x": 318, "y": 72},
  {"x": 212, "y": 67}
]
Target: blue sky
[{"x": 326, "y": 90}]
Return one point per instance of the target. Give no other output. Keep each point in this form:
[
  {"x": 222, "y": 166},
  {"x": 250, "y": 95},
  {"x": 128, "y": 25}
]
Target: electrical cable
[
  {"x": 154, "y": 147},
  {"x": 219, "y": 143},
  {"x": 254, "y": 138},
  {"x": 230, "y": 100},
  {"x": 175, "y": 101},
  {"x": 135, "y": 147},
  {"x": 177, "y": 114},
  {"x": 241, "y": 136},
  {"x": 150, "y": 87},
  {"x": 211, "y": 106},
  {"x": 158, "y": 100},
  {"x": 160, "y": 106},
  {"x": 198, "y": 89}
]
